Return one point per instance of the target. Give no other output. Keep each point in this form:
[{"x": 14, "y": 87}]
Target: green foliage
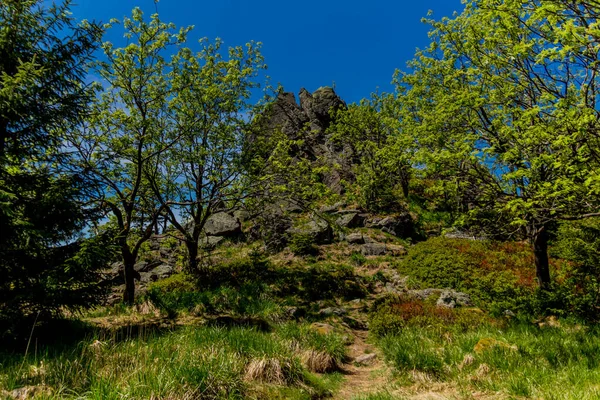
[
  {"x": 383, "y": 151},
  {"x": 495, "y": 274},
  {"x": 358, "y": 259},
  {"x": 509, "y": 145},
  {"x": 390, "y": 315},
  {"x": 303, "y": 245},
  {"x": 45, "y": 262}
]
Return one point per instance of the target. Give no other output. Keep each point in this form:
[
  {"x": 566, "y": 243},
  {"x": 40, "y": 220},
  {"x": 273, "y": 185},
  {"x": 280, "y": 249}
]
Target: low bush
[
  {"x": 303, "y": 245},
  {"x": 390, "y": 315}
]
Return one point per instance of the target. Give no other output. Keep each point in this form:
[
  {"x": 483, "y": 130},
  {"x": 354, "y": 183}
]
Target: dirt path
[{"x": 366, "y": 378}]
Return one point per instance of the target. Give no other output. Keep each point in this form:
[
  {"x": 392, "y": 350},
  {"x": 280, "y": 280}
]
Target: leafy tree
[
  {"x": 504, "y": 101},
  {"x": 211, "y": 112},
  {"x": 383, "y": 151},
  {"x": 43, "y": 262},
  {"x": 128, "y": 130}
]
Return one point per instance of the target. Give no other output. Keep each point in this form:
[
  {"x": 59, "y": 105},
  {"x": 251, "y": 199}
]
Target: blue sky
[{"x": 356, "y": 44}]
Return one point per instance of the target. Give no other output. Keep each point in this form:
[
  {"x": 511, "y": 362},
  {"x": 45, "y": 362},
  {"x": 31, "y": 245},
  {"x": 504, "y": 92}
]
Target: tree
[
  {"x": 505, "y": 99},
  {"x": 383, "y": 150},
  {"x": 44, "y": 262},
  {"x": 128, "y": 130},
  {"x": 211, "y": 112}
]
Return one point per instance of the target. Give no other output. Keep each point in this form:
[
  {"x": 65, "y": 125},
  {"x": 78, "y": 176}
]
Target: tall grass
[
  {"x": 194, "y": 363},
  {"x": 521, "y": 360}
]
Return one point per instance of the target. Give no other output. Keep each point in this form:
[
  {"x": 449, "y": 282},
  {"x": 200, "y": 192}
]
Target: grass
[
  {"x": 191, "y": 362},
  {"x": 521, "y": 360}
]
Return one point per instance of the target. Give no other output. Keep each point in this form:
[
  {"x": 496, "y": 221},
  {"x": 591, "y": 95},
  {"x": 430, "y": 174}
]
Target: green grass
[
  {"x": 549, "y": 363},
  {"x": 191, "y": 362}
]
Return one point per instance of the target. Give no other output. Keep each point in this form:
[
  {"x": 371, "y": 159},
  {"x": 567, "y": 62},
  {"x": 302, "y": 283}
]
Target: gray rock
[
  {"x": 452, "y": 299},
  {"x": 398, "y": 225},
  {"x": 222, "y": 224},
  {"x": 350, "y": 220},
  {"x": 373, "y": 249},
  {"x": 332, "y": 208},
  {"x": 161, "y": 272},
  {"x": 365, "y": 359},
  {"x": 210, "y": 242},
  {"x": 355, "y": 238},
  {"x": 144, "y": 266},
  {"x": 330, "y": 311},
  {"x": 423, "y": 294},
  {"x": 319, "y": 230}
]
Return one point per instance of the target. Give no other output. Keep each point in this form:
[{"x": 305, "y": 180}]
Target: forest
[{"x": 174, "y": 225}]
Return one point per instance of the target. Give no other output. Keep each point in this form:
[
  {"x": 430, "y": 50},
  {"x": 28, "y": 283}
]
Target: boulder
[
  {"x": 318, "y": 230},
  {"x": 355, "y": 238},
  {"x": 399, "y": 225},
  {"x": 351, "y": 220},
  {"x": 373, "y": 249},
  {"x": 222, "y": 224},
  {"x": 160, "y": 272}
]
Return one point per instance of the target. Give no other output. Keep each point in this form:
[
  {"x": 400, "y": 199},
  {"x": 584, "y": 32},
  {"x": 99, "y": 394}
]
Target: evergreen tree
[{"x": 42, "y": 95}]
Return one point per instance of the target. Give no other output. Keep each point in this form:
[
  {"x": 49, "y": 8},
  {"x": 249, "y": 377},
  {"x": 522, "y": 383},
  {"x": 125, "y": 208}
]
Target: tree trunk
[
  {"x": 540, "y": 251},
  {"x": 129, "y": 275},
  {"x": 192, "y": 248}
]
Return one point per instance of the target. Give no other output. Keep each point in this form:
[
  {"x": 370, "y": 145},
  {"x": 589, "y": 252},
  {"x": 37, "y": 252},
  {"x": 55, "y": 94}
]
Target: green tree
[
  {"x": 383, "y": 151},
  {"x": 44, "y": 262},
  {"x": 128, "y": 131},
  {"x": 504, "y": 101},
  {"x": 211, "y": 111}
]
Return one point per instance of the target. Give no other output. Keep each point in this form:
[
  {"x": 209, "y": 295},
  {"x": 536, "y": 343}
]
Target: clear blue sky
[{"x": 310, "y": 43}]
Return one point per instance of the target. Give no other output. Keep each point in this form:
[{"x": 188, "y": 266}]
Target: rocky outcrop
[{"x": 309, "y": 121}]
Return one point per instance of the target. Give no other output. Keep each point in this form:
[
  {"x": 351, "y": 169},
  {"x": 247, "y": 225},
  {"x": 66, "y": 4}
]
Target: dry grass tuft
[
  {"x": 270, "y": 370},
  {"x": 318, "y": 361},
  {"x": 467, "y": 360},
  {"x": 147, "y": 308}
]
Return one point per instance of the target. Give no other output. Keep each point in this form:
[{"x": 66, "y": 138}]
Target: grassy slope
[{"x": 427, "y": 349}]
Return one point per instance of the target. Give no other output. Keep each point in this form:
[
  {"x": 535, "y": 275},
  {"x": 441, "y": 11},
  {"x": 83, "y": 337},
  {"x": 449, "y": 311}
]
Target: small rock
[
  {"x": 452, "y": 299},
  {"x": 29, "y": 392},
  {"x": 509, "y": 313},
  {"x": 318, "y": 230},
  {"x": 329, "y": 311},
  {"x": 373, "y": 249},
  {"x": 365, "y": 359},
  {"x": 355, "y": 238}
]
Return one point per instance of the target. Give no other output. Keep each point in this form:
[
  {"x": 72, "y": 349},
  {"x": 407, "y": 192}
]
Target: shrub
[
  {"x": 303, "y": 245},
  {"x": 390, "y": 315},
  {"x": 497, "y": 275}
]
